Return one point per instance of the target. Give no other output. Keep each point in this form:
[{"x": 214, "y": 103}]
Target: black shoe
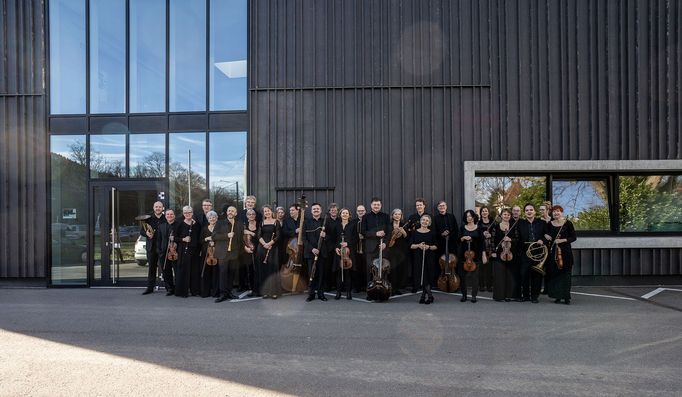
[
  {"x": 464, "y": 299},
  {"x": 230, "y": 296},
  {"x": 567, "y": 301},
  {"x": 147, "y": 291},
  {"x": 368, "y": 298},
  {"x": 250, "y": 295},
  {"x": 429, "y": 300},
  {"x": 169, "y": 293},
  {"x": 322, "y": 297},
  {"x": 422, "y": 300},
  {"x": 310, "y": 298},
  {"x": 557, "y": 300},
  {"x": 473, "y": 299},
  {"x": 498, "y": 300},
  {"x": 221, "y": 299},
  {"x": 349, "y": 296},
  {"x": 525, "y": 299},
  {"x": 507, "y": 299},
  {"x": 535, "y": 300},
  {"x": 337, "y": 296},
  {"x": 397, "y": 292}
]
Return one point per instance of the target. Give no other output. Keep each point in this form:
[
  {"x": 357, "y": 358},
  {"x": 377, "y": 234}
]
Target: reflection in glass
[
  {"x": 585, "y": 202},
  {"x": 187, "y": 55},
  {"x": 650, "y": 203},
  {"x": 107, "y": 56},
  {"x": 228, "y": 55},
  {"x": 67, "y": 56},
  {"x": 108, "y": 156},
  {"x": 497, "y": 192},
  {"x": 147, "y": 155},
  {"x": 147, "y": 56},
  {"x": 185, "y": 173},
  {"x": 69, "y": 215},
  {"x": 227, "y": 168}
]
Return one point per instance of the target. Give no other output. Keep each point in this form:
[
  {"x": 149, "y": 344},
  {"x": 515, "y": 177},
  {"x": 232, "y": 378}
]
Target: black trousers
[
  {"x": 345, "y": 284},
  {"x": 153, "y": 263},
  {"x": 168, "y": 278},
  {"x": 530, "y": 280},
  {"x": 227, "y": 269},
  {"x": 470, "y": 279},
  {"x": 359, "y": 273},
  {"x": 317, "y": 285}
]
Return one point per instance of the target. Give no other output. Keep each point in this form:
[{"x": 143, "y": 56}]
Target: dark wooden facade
[
  {"x": 23, "y": 140},
  {"x": 355, "y": 98}
]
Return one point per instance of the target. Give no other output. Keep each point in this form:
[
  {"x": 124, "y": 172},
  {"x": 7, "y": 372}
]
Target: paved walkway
[{"x": 609, "y": 342}]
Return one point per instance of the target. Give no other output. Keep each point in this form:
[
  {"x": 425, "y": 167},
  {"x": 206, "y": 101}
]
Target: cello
[
  {"x": 291, "y": 273},
  {"x": 448, "y": 280},
  {"x": 379, "y": 289}
]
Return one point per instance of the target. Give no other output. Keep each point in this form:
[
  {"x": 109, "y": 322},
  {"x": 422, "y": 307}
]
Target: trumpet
[{"x": 537, "y": 252}]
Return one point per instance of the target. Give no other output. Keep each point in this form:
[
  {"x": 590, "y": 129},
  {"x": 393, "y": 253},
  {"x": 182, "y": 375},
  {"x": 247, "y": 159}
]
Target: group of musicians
[{"x": 209, "y": 254}]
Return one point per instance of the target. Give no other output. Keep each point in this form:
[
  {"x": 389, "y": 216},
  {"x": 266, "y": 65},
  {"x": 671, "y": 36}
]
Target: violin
[
  {"x": 397, "y": 233},
  {"x": 448, "y": 280},
  {"x": 346, "y": 262},
  {"x": 172, "y": 251},
  {"x": 211, "y": 260},
  {"x": 506, "y": 254},
  {"x": 469, "y": 255}
]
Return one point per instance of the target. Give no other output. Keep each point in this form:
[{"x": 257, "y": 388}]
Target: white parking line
[
  {"x": 653, "y": 293},
  {"x": 605, "y": 296}
]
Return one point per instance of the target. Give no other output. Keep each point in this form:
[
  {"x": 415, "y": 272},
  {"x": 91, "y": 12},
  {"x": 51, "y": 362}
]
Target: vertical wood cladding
[
  {"x": 23, "y": 140},
  {"x": 390, "y": 97}
]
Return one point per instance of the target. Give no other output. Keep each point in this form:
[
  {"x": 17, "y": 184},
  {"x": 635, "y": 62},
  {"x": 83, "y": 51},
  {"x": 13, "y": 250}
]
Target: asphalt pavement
[{"x": 608, "y": 342}]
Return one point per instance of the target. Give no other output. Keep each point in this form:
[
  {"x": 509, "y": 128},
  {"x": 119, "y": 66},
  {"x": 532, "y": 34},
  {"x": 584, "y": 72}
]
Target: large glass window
[
  {"x": 108, "y": 156},
  {"x": 228, "y": 55},
  {"x": 650, "y": 203},
  {"x": 67, "y": 56},
  {"x": 497, "y": 192},
  {"x": 147, "y": 155},
  {"x": 585, "y": 202},
  {"x": 187, "y": 177},
  {"x": 187, "y": 55},
  {"x": 227, "y": 168},
  {"x": 147, "y": 56},
  {"x": 69, "y": 209},
  {"x": 107, "y": 56}
]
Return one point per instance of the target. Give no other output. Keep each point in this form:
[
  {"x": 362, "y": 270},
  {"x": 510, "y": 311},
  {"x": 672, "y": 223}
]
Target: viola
[
  {"x": 469, "y": 255},
  {"x": 172, "y": 254},
  {"x": 211, "y": 260}
]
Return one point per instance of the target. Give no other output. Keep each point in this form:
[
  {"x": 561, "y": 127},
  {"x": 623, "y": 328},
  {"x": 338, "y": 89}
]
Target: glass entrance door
[{"x": 118, "y": 253}]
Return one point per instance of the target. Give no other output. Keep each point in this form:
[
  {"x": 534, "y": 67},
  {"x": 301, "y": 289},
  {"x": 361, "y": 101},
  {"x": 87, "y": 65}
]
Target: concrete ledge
[{"x": 627, "y": 242}]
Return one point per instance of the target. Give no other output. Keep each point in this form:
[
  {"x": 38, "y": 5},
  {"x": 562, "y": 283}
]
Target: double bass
[
  {"x": 448, "y": 280},
  {"x": 291, "y": 275},
  {"x": 379, "y": 288}
]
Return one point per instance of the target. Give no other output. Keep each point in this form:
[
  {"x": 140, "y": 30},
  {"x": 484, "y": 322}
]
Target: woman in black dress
[
  {"x": 188, "y": 256},
  {"x": 248, "y": 262},
  {"x": 398, "y": 253},
  {"x": 267, "y": 262},
  {"x": 347, "y": 237},
  {"x": 505, "y": 242},
  {"x": 560, "y": 233},
  {"x": 423, "y": 244},
  {"x": 209, "y": 274},
  {"x": 471, "y": 240},
  {"x": 487, "y": 229}
]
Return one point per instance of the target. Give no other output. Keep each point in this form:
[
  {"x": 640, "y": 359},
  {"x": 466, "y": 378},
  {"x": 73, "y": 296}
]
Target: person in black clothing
[
  {"x": 202, "y": 219},
  {"x": 229, "y": 240},
  {"x": 530, "y": 230},
  {"x": 471, "y": 240},
  {"x": 374, "y": 228},
  {"x": 313, "y": 228},
  {"x": 167, "y": 233},
  {"x": 485, "y": 281},
  {"x": 559, "y": 233},
  {"x": 189, "y": 236},
  {"x": 423, "y": 243},
  {"x": 359, "y": 264},
  {"x": 420, "y": 207},
  {"x": 516, "y": 262},
  {"x": 399, "y": 253},
  {"x": 281, "y": 216},
  {"x": 346, "y": 237},
  {"x": 267, "y": 260},
  {"x": 504, "y": 233},
  {"x": 249, "y": 204},
  {"x": 329, "y": 245},
  {"x": 445, "y": 225},
  {"x": 247, "y": 263},
  {"x": 210, "y": 234},
  {"x": 154, "y": 221}
]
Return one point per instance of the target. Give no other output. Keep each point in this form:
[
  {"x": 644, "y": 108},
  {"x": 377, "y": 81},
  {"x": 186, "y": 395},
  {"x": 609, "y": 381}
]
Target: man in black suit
[
  {"x": 229, "y": 242},
  {"x": 374, "y": 227},
  {"x": 313, "y": 232},
  {"x": 167, "y": 233},
  {"x": 154, "y": 221}
]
